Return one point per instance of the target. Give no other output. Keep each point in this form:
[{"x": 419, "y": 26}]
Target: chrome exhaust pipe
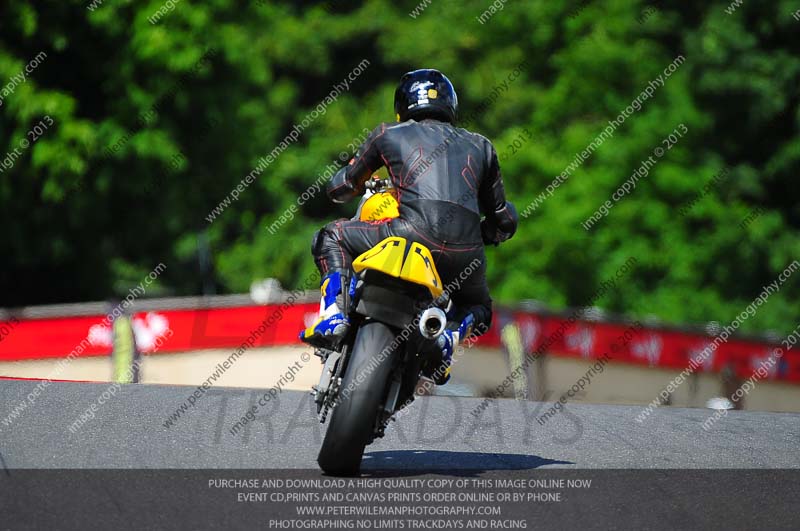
[{"x": 432, "y": 323}]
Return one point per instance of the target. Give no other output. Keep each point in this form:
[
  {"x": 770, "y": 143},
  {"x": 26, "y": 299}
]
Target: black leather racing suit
[{"x": 446, "y": 177}]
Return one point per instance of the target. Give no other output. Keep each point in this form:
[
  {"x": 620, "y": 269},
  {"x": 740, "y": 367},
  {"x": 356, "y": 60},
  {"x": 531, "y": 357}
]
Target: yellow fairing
[
  {"x": 419, "y": 268},
  {"x": 387, "y": 257},
  {"x": 379, "y": 206}
]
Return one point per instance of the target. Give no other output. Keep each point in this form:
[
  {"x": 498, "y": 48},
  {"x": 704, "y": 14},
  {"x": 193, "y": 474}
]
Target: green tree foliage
[{"x": 155, "y": 123}]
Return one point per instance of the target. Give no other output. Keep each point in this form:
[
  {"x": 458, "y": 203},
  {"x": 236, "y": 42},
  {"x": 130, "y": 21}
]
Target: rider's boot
[
  {"x": 333, "y": 322},
  {"x": 448, "y": 342}
]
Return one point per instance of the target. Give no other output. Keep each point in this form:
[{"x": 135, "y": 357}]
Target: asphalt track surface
[{"x": 128, "y": 432}]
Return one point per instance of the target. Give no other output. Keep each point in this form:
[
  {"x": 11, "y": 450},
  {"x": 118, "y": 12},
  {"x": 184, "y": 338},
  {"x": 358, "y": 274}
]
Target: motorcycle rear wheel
[{"x": 353, "y": 419}]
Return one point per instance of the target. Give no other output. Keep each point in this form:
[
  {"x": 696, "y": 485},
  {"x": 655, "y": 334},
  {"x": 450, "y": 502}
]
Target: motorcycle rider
[{"x": 445, "y": 178}]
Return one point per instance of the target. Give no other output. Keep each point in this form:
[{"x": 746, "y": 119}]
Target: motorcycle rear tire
[{"x": 353, "y": 419}]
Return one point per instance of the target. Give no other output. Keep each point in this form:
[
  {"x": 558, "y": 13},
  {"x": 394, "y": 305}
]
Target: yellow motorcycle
[{"x": 396, "y": 315}]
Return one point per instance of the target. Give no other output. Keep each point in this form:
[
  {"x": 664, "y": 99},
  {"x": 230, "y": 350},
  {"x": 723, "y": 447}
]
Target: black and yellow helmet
[{"x": 425, "y": 93}]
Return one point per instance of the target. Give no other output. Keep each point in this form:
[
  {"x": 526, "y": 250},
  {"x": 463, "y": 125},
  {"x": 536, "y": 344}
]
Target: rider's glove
[{"x": 500, "y": 226}]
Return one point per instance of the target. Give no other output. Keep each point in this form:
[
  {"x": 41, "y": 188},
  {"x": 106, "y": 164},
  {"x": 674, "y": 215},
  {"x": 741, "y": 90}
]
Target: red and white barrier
[{"x": 193, "y": 329}]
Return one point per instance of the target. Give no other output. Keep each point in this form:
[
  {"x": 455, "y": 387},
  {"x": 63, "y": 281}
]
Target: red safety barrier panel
[
  {"x": 184, "y": 330},
  {"x": 50, "y": 338},
  {"x": 651, "y": 346},
  {"x": 162, "y": 331}
]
